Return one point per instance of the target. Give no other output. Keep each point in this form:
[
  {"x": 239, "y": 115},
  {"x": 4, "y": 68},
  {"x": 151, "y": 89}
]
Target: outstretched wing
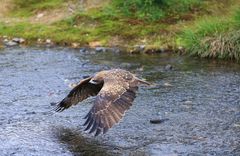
[
  {"x": 113, "y": 100},
  {"x": 79, "y": 93}
]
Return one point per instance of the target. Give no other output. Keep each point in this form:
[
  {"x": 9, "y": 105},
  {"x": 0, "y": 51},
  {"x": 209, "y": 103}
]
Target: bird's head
[{"x": 98, "y": 78}]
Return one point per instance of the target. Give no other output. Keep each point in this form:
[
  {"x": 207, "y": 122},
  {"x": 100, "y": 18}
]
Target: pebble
[
  {"x": 158, "y": 121},
  {"x": 39, "y": 40},
  {"x": 167, "y": 84},
  {"x": 142, "y": 47},
  {"x": 29, "y": 113},
  {"x": 125, "y": 65},
  {"x": 21, "y": 40},
  {"x": 5, "y": 40},
  {"x": 236, "y": 125},
  {"x": 48, "y": 41},
  {"x": 18, "y": 40},
  {"x": 138, "y": 49},
  {"x": 168, "y": 67},
  {"x": 11, "y": 43},
  {"x": 188, "y": 102},
  {"x": 53, "y": 103},
  {"x": 100, "y": 49},
  {"x": 82, "y": 50},
  {"x": 75, "y": 45}
]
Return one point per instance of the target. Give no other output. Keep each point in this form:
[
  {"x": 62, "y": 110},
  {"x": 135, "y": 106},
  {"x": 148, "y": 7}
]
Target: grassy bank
[
  {"x": 214, "y": 37},
  {"x": 120, "y": 22},
  {"x": 154, "y": 23}
]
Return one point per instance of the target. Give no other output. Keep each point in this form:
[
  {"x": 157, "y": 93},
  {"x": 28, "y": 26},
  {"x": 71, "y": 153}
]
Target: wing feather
[
  {"x": 115, "y": 97},
  {"x": 79, "y": 93}
]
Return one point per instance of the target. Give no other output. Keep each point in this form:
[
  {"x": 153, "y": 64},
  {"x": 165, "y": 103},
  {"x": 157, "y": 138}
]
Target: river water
[{"x": 200, "y": 99}]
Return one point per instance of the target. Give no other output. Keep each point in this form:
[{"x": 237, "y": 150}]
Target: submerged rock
[
  {"x": 30, "y": 113},
  {"x": 166, "y": 84},
  {"x": 157, "y": 121},
  {"x": 107, "y": 49},
  {"x": 168, "y": 67},
  {"x": 188, "y": 102},
  {"x": 82, "y": 50},
  {"x": 125, "y": 65},
  {"x": 101, "y": 49},
  {"x": 53, "y": 103}
]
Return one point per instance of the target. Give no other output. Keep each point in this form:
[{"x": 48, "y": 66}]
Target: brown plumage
[{"x": 115, "y": 90}]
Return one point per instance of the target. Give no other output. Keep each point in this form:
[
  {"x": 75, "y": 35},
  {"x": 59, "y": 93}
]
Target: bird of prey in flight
[{"x": 115, "y": 91}]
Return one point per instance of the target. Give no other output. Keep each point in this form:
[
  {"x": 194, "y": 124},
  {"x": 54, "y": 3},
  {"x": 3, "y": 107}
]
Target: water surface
[{"x": 202, "y": 104}]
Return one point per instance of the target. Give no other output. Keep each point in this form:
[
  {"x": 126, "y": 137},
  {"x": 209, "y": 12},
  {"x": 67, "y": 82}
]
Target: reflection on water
[
  {"x": 199, "y": 97},
  {"x": 78, "y": 144}
]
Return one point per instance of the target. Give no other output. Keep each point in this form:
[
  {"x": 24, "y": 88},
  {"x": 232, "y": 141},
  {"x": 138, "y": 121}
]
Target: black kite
[{"x": 115, "y": 91}]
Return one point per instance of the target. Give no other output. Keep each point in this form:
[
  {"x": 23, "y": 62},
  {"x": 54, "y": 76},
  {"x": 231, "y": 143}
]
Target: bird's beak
[{"x": 92, "y": 82}]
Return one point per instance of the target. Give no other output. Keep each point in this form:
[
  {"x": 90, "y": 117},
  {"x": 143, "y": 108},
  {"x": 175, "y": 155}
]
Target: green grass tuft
[
  {"x": 237, "y": 17},
  {"x": 152, "y": 10},
  {"x": 224, "y": 46},
  {"x": 214, "y": 37}
]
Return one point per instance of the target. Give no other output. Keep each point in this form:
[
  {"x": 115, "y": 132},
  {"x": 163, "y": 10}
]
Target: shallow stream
[{"x": 200, "y": 99}]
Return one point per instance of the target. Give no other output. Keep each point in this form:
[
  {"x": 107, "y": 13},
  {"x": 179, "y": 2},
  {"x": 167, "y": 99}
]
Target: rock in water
[
  {"x": 101, "y": 49},
  {"x": 82, "y": 50},
  {"x": 11, "y": 43},
  {"x": 75, "y": 45},
  {"x": 48, "y": 41},
  {"x": 166, "y": 84},
  {"x": 157, "y": 121},
  {"x": 18, "y": 40},
  {"x": 168, "y": 67}
]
